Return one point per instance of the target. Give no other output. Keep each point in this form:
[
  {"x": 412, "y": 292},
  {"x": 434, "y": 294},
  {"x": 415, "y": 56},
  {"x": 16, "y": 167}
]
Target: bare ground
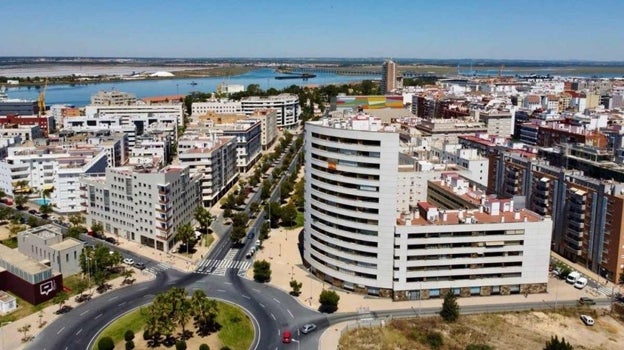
[{"x": 526, "y": 330}]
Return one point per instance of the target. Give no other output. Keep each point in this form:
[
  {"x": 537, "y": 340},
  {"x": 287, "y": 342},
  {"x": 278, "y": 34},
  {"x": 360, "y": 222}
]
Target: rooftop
[{"x": 21, "y": 261}]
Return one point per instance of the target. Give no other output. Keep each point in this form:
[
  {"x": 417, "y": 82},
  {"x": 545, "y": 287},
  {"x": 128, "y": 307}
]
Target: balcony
[
  {"x": 163, "y": 199},
  {"x": 578, "y": 217},
  {"x": 163, "y": 209}
]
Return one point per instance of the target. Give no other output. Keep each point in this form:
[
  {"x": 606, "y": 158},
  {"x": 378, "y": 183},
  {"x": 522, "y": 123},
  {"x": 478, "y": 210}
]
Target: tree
[
  {"x": 266, "y": 189},
  {"x": 264, "y": 231},
  {"x": 239, "y": 227},
  {"x": 127, "y": 273},
  {"x": 25, "y": 329},
  {"x": 76, "y": 219},
  {"x": 2, "y": 194},
  {"x": 97, "y": 229},
  {"x": 450, "y": 309},
  {"x": 46, "y": 193},
  {"x": 205, "y": 312},
  {"x": 204, "y": 347},
  {"x": 203, "y": 217},
  {"x": 288, "y": 214},
  {"x": 60, "y": 299},
  {"x": 106, "y": 343},
  {"x": 329, "y": 301},
  {"x": 32, "y": 221},
  {"x": 478, "y": 347},
  {"x": 184, "y": 234},
  {"x": 275, "y": 213},
  {"x": 20, "y": 200},
  {"x": 296, "y": 288},
  {"x": 555, "y": 344},
  {"x": 229, "y": 202},
  {"x": 262, "y": 271},
  {"x": 46, "y": 210},
  {"x": 76, "y": 231}
]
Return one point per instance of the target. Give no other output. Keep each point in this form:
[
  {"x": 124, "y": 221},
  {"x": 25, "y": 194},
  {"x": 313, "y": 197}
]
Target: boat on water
[
  {"x": 193, "y": 83},
  {"x": 303, "y": 76}
]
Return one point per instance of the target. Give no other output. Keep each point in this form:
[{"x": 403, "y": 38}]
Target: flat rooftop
[
  {"x": 21, "y": 261},
  {"x": 453, "y": 217}
]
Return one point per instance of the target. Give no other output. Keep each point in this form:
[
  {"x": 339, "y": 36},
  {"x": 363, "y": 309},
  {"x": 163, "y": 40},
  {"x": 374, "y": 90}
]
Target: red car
[{"x": 286, "y": 337}]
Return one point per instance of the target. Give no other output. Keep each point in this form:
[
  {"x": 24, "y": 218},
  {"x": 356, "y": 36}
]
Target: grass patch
[
  {"x": 299, "y": 219},
  {"x": 208, "y": 239},
  {"x": 132, "y": 320},
  {"x": 10, "y": 242},
  {"x": 237, "y": 331}
]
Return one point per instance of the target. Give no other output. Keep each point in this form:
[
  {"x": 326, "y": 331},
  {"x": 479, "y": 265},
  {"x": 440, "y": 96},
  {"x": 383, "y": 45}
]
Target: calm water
[{"x": 80, "y": 95}]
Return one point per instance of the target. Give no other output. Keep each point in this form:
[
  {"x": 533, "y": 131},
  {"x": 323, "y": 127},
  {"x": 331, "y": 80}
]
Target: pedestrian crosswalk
[
  {"x": 220, "y": 266},
  {"x": 605, "y": 290},
  {"x": 156, "y": 268}
]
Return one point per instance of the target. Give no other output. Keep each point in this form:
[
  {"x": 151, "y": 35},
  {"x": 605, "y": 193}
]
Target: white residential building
[
  {"x": 268, "y": 125},
  {"x": 141, "y": 115},
  {"x": 113, "y": 98},
  {"x": 356, "y": 239},
  {"x": 143, "y": 204},
  {"x": 216, "y": 106},
  {"x": 286, "y": 105},
  {"x": 52, "y": 167},
  {"x": 477, "y": 165},
  {"x": 214, "y": 157}
]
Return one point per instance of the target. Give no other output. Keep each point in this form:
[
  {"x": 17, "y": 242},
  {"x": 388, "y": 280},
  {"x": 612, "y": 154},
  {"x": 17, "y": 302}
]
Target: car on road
[
  {"x": 128, "y": 261},
  {"x": 32, "y": 211},
  {"x": 286, "y": 337},
  {"x": 139, "y": 265},
  {"x": 586, "y": 301},
  {"x": 63, "y": 310},
  {"x": 251, "y": 235},
  {"x": 110, "y": 240},
  {"x": 588, "y": 320},
  {"x": 307, "y": 328}
]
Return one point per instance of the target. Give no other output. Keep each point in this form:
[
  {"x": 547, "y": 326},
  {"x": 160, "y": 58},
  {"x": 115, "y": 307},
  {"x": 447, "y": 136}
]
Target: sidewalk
[
  {"x": 606, "y": 286},
  {"x": 11, "y": 338}
]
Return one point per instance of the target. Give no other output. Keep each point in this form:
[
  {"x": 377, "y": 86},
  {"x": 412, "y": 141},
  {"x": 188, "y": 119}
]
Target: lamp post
[{"x": 280, "y": 249}]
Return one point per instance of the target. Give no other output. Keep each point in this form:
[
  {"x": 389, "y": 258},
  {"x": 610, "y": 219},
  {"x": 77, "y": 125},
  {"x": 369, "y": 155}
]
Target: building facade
[
  {"x": 356, "y": 238},
  {"x": 286, "y": 106},
  {"x": 46, "y": 244},
  {"x": 388, "y": 77},
  {"x": 143, "y": 204}
]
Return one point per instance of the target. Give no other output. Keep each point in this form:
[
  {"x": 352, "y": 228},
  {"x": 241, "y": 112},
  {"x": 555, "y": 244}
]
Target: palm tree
[
  {"x": 127, "y": 273},
  {"x": 20, "y": 200},
  {"x": 46, "y": 193},
  {"x": 45, "y": 210},
  {"x": 204, "y": 310},
  {"x": 203, "y": 216},
  {"x": 184, "y": 234}
]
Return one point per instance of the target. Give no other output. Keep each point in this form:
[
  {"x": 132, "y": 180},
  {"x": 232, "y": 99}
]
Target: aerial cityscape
[{"x": 335, "y": 175}]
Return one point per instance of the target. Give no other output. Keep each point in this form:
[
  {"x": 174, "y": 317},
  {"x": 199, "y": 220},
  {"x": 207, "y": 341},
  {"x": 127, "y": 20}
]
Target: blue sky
[{"x": 525, "y": 29}]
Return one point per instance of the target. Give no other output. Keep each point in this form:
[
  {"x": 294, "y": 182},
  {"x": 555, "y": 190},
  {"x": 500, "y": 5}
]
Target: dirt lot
[{"x": 525, "y": 330}]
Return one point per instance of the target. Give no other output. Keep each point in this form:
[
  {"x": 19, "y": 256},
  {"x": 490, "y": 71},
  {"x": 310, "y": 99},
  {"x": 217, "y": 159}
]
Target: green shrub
[
  {"x": 434, "y": 339},
  {"x": 180, "y": 345},
  {"x": 478, "y": 347},
  {"x": 129, "y": 335},
  {"x": 204, "y": 347},
  {"x": 146, "y": 335},
  {"x": 225, "y": 348},
  {"x": 106, "y": 343},
  {"x": 129, "y": 345}
]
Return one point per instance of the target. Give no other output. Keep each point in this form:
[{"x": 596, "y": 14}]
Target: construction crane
[
  {"x": 41, "y": 99},
  {"x": 500, "y": 71}
]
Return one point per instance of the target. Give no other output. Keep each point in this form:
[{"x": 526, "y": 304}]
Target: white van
[
  {"x": 572, "y": 277},
  {"x": 580, "y": 283}
]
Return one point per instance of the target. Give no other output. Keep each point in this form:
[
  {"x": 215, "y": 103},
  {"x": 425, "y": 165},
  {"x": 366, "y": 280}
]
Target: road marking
[
  {"x": 255, "y": 290},
  {"x": 277, "y": 301},
  {"x": 245, "y": 296},
  {"x": 84, "y": 312},
  {"x": 221, "y": 290},
  {"x": 230, "y": 283},
  {"x": 273, "y": 316},
  {"x": 98, "y": 316},
  {"x": 142, "y": 289},
  {"x": 290, "y": 313},
  {"x": 113, "y": 298},
  {"x": 123, "y": 302},
  {"x": 79, "y": 331},
  {"x": 60, "y": 330},
  {"x": 261, "y": 304}
]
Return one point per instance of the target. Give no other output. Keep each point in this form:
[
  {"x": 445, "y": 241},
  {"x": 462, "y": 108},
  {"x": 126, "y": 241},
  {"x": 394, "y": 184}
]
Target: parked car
[
  {"x": 110, "y": 240},
  {"x": 580, "y": 283},
  {"x": 32, "y": 211},
  {"x": 251, "y": 235},
  {"x": 573, "y": 276},
  {"x": 139, "y": 265},
  {"x": 586, "y": 301},
  {"x": 588, "y": 320},
  {"x": 128, "y": 261},
  {"x": 63, "y": 310},
  {"x": 307, "y": 328}
]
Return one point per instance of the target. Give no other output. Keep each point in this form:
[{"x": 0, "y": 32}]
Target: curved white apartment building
[
  {"x": 286, "y": 106},
  {"x": 356, "y": 238},
  {"x": 350, "y": 189}
]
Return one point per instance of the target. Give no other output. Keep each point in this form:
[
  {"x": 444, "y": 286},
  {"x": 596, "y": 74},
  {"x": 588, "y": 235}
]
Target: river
[{"x": 80, "y": 95}]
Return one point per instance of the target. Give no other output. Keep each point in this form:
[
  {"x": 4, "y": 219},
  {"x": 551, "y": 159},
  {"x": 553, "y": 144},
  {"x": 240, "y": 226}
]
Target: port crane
[{"x": 41, "y": 99}]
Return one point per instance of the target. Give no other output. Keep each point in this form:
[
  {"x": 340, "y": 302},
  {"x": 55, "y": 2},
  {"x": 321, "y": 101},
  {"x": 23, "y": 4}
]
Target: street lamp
[{"x": 280, "y": 249}]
